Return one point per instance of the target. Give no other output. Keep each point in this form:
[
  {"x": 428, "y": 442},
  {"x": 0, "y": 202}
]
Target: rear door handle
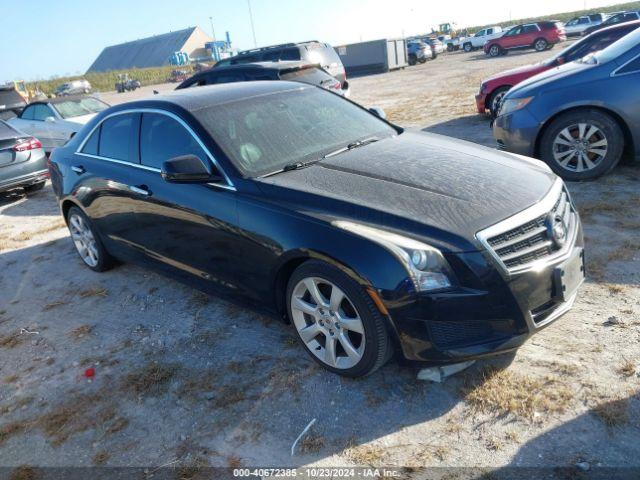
[
  {"x": 79, "y": 169},
  {"x": 141, "y": 190}
]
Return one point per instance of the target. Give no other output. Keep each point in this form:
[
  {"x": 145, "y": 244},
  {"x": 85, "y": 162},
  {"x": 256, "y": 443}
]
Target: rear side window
[
  {"x": 312, "y": 76},
  {"x": 27, "y": 113},
  {"x": 227, "y": 78},
  {"x": 530, "y": 28},
  {"x": 322, "y": 54},
  {"x": 116, "y": 137},
  {"x": 91, "y": 145},
  {"x": 632, "y": 67},
  {"x": 290, "y": 54},
  {"x": 163, "y": 138}
]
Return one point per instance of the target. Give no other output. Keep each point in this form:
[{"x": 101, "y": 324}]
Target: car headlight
[
  {"x": 510, "y": 105},
  {"x": 425, "y": 264}
]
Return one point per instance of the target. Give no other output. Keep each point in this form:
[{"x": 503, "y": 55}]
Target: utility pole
[
  {"x": 253, "y": 30},
  {"x": 216, "y": 56}
]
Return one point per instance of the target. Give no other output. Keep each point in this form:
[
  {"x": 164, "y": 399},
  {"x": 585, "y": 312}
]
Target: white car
[
  {"x": 577, "y": 26},
  {"x": 479, "y": 40},
  {"x": 56, "y": 120}
]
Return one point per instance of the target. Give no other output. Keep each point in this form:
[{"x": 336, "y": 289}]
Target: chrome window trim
[
  {"x": 229, "y": 184},
  {"x": 525, "y": 216},
  {"x": 615, "y": 72}
]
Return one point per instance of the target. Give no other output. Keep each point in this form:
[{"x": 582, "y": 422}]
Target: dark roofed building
[{"x": 152, "y": 51}]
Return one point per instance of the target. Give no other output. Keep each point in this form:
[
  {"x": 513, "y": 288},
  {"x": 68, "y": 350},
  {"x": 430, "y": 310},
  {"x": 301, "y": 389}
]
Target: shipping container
[{"x": 376, "y": 56}]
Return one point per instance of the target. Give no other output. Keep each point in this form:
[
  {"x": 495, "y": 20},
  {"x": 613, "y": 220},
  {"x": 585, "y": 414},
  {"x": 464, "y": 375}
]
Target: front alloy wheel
[
  {"x": 336, "y": 320},
  {"x": 582, "y": 145},
  {"x": 328, "y": 323}
]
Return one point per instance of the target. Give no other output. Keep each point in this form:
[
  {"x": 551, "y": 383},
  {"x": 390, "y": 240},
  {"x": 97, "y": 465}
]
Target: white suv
[{"x": 481, "y": 38}]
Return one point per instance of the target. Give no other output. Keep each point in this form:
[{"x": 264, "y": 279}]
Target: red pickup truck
[
  {"x": 494, "y": 88},
  {"x": 539, "y": 36}
]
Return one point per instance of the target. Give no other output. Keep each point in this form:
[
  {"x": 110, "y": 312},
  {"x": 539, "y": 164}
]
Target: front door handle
[
  {"x": 79, "y": 169},
  {"x": 141, "y": 190}
]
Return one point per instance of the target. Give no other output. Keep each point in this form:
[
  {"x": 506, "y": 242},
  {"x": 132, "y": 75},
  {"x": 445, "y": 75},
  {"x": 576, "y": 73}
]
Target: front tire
[
  {"x": 496, "y": 98},
  {"x": 540, "y": 45},
  {"x": 582, "y": 145},
  {"x": 87, "y": 241},
  {"x": 336, "y": 321},
  {"x": 495, "y": 51}
]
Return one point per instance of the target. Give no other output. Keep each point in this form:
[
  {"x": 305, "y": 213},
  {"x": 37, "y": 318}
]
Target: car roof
[
  {"x": 192, "y": 99},
  {"x": 64, "y": 98},
  {"x": 275, "y": 65}
]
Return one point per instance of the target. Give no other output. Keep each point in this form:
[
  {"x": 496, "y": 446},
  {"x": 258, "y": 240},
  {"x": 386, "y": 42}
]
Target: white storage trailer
[{"x": 376, "y": 56}]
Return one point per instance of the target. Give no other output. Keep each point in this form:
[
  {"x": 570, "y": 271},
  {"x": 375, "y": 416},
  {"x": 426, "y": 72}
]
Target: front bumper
[
  {"x": 494, "y": 312},
  {"x": 517, "y": 132},
  {"x": 481, "y": 102}
]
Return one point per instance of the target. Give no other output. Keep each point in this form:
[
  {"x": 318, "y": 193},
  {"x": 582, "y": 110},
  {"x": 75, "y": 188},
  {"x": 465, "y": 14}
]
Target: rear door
[
  {"x": 101, "y": 171},
  {"x": 530, "y": 33},
  {"x": 188, "y": 229}
]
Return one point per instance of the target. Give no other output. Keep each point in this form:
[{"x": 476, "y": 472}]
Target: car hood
[
  {"x": 544, "y": 78},
  {"x": 528, "y": 70},
  {"x": 82, "y": 119},
  {"x": 431, "y": 185}
]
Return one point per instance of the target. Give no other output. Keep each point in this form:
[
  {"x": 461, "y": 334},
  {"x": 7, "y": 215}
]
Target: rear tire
[
  {"x": 582, "y": 145},
  {"x": 87, "y": 241},
  {"x": 36, "y": 187},
  {"x": 372, "y": 346},
  {"x": 540, "y": 45}
]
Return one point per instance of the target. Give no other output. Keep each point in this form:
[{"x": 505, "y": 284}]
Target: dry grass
[
  {"x": 50, "y": 306},
  {"x": 24, "y": 472},
  {"x": 234, "y": 461},
  {"x": 614, "y": 288},
  {"x": 370, "y": 455},
  {"x": 613, "y": 413},
  {"x": 101, "y": 458},
  {"x": 11, "y": 429},
  {"x": 28, "y": 235},
  {"x": 494, "y": 444},
  {"x": 94, "y": 292},
  {"x": 12, "y": 340},
  {"x": 626, "y": 369},
  {"x": 152, "y": 379},
  {"x": 508, "y": 393},
  {"x": 11, "y": 378},
  {"x": 81, "y": 332},
  {"x": 311, "y": 443}
]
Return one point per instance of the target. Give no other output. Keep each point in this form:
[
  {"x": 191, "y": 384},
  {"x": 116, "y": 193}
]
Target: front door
[{"x": 189, "y": 229}]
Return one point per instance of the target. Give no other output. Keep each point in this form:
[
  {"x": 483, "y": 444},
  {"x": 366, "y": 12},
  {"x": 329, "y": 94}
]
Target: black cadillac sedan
[{"x": 369, "y": 239}]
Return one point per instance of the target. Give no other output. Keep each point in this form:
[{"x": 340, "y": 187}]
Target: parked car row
[{"x": 579, "y": 117}]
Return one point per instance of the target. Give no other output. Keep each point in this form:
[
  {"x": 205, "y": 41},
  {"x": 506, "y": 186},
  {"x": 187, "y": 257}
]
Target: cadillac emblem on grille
[{"x": 556, "y": 228}]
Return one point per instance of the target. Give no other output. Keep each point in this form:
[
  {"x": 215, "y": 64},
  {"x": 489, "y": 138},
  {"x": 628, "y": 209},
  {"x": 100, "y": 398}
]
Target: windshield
[
  {"x": 618, "y": 48},
  {"x": 79, "y": 107},
  {"x": 264, "y": 134}
]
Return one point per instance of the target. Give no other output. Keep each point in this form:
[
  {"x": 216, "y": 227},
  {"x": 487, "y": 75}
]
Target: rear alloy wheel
[
  {"x": 496, "y": 99},
  {"x": 582, "y": 145},
  {"x": 468, "y": 47},
  {"x": 87, "y": 242},
  {"x": 540, "y": 45},
  {"x": 495, "y": 51},
  {"x": 336, "y": 321}
]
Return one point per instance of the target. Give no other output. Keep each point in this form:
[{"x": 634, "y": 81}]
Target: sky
[{"x": 65, "y": 36}]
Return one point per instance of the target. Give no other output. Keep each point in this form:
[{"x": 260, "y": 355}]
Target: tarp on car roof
[{"x": 147, "y": 52}]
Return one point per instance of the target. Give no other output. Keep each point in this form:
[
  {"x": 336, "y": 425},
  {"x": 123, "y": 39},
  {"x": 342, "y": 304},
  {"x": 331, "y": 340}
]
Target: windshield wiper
[{"x": 351, "y": 146}]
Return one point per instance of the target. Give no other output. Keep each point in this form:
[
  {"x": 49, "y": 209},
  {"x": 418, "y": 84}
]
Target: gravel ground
[{"x": 191, "y": 380}]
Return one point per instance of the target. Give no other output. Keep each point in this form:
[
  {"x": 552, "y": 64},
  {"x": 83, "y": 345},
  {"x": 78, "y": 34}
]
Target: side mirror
[
  {"x": 50, "y": 119},
  {"x": 379, "y": 112},
  {"x": 187, "y": 169}
]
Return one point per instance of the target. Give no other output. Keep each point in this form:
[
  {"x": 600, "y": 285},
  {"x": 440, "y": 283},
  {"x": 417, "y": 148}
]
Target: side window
[
  {"x": 583, "y": 20},
  {"x": 163, "y": 138},
  {"x": 480, "y": 33},
  {"x": 530, "y": 28},
  {"x": 271, "y": 56},
  {"x": 41, "y": 112},
  {"x": 228, "y": 78},
  {"x": 290, "y": 54},
  {"x": 115, "y": 137},
  {"x": 490, "y": 31},
  {"x": 91, "y": 146},
  {"x": 632, "y": 67},
  {"x": 514, "y": 31},
  {"x": 27, "y": 113}
]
